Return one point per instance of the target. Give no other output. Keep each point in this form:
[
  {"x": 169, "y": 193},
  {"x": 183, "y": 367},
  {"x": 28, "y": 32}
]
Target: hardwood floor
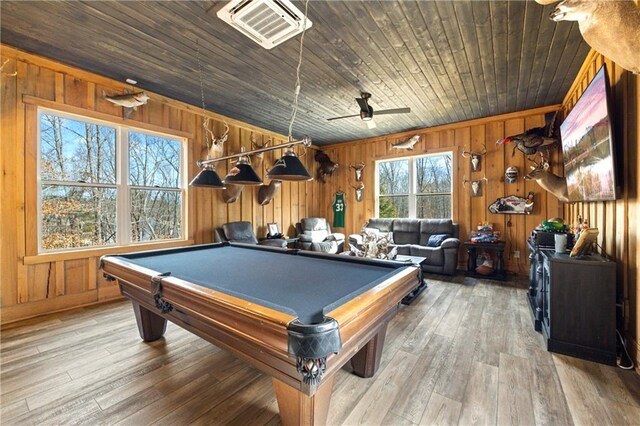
[{"x": 464, "y": 352}]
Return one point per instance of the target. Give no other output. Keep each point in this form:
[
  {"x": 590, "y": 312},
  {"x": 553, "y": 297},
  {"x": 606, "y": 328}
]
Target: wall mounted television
[{"x": 587, "y": 144}]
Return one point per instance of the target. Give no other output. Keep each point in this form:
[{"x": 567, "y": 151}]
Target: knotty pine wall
[
  {"x": 32, "y": 284},
  {"x": 467, "y": 210},
  {"x": 618, "y": 221}
]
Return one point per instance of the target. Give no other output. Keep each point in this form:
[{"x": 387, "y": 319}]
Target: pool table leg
[
  {"x": 366, "y": 362},
  {"x": 296, "y": 408},
  {"x": 150, "y": 325}
]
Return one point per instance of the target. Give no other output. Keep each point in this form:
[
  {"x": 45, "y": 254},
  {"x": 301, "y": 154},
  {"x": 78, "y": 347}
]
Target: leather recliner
[
  {"x": 315, "y": 235},
  {"x": 242, "y": 232}
]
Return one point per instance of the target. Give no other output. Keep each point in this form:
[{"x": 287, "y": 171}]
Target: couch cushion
[
  {"x": 406, "y": 231},
  {"x": 315, "y": 224},
  {"x": 384, "y": 225},
  {"x": 429, "y": 227},
  {"x": 434, "y": 255}
]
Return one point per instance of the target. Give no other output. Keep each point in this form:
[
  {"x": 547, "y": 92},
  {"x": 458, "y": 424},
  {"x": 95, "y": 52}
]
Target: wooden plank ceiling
[{"x": 447, "y": 60}]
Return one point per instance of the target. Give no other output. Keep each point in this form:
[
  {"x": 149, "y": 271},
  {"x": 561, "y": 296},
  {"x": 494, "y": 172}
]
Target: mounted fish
[
  {"x": 129, "y": 101},
  {"x": 408, "y": 144},
  {"x": 534, "y": 140}
]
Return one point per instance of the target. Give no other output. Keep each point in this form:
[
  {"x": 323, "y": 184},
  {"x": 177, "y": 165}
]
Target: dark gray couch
[
  {"x": 410, "y": 236},
  {"x": 242, "y": 232}
]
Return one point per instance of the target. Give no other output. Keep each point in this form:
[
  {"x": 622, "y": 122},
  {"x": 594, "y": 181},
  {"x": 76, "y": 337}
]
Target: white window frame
[
  {"x": 412, "y": 194},
  {"x": 122, "y": 186}
]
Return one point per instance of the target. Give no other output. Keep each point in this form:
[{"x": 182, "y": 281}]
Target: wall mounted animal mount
[
  {"x": 326, "y": 167},
  {"x": 257, "y": 159},
  {"x": 476, "y": 185},
  {"x": 231, "y": 192},
  {"x": 359, "y": 188},
  {"x": 476, "y": 157},
  {"x": 129, "y": 101},
  {"x": 215, "y": 145},
  {"x": 408, "y": 144},
  {"x": 610, "y": 27},
  {"x": 7, "y": 74},
  {"x": 267, "y": 192},
  {"x": 534, "y": 140},
  {"x": 358, "y": 170},
  {"x": 556, "y": 185}
]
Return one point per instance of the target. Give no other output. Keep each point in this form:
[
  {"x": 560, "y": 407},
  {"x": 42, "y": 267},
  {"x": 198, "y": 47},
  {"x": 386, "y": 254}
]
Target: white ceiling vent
[{"x": 267, "y": 22}]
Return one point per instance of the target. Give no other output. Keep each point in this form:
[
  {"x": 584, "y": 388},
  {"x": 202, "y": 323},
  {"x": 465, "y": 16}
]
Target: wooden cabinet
[
  {"x": 534, "y": 295},
  {"x": 574, "y": 301}
]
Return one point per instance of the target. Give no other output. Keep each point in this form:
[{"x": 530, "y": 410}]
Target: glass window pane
[
  {"x": 433, "y": 206},
  {"x": 153, "y": 161},
  {"x": 155, "y": 215},
  {"x": 394, "y": 206},
  {"x": 433, "y": 174},
  {"x": 77, "y": 216},
  {"x": 393, "y": 177},
  {"x": 76, "y": 151}
]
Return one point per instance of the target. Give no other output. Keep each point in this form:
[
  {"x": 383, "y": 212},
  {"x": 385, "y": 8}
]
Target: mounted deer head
[
  {"x": 231, "y": 192},
  {"x": 476, "y": 185},
  {"x": 256, "y": 159},
  {"x": 475, "y": 157},
  {"x": 215, "y": 145},
  {"x": 359, "y": 187},
  {"x": 267, "y": 192},
  {"x": 610, "y": 27},
  {"x": 556, "y": 185},
  {"x": 358, "y": 170}
]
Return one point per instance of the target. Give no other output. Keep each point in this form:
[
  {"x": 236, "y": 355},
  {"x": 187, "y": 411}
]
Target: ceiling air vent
[{"x": 267, "y": 22}]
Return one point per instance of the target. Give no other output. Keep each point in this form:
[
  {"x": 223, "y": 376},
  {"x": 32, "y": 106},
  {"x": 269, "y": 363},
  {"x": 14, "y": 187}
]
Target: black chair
[{"x": 242, "y": 232}]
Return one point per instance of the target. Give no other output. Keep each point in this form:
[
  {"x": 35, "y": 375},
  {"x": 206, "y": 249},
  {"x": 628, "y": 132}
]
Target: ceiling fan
[{"x": 366, "y": 111}]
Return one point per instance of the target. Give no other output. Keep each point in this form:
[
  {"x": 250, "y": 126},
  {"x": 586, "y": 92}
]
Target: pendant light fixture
[{"x": 287, "y": 168}]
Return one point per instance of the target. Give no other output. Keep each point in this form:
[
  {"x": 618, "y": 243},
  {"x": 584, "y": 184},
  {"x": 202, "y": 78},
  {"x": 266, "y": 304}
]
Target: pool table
[{"x": 298, "y": 316}]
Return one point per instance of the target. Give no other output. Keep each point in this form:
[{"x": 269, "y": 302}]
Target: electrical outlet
[{"x": 516, "y": 254}]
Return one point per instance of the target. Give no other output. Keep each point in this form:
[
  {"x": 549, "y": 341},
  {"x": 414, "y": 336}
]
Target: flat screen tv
[{"x": 587, "y": 145}]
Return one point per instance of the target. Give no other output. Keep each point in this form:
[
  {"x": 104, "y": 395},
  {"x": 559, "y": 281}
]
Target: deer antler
[
  {"x": 12, "y": 74},
  {"x": 358, "y": 166},
  {"x": 358, "y": 185},
  {"x": 467, "y": 154}
]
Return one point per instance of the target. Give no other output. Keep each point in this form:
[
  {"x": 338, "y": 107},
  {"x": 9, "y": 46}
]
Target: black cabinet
[{"x": 573, "y": 301}]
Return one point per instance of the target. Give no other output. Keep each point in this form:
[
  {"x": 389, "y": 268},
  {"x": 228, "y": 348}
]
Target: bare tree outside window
[
  {"x": 427, "y": 196},
  {"x": 80, "y": 196}
]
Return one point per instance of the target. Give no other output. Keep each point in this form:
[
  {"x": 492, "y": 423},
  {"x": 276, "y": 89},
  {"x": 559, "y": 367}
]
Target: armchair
[
  {"x": 315, "y": 235},
  {"x": 242, "y": 232}
]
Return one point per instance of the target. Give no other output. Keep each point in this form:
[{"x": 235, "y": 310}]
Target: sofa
[
  {"x": 315, "y": 234},
  {"x": 242, "y": 232},
  {"x": 410, "y": 237}
]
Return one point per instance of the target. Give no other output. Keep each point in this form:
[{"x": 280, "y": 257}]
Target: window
[
  {"x": 102, "y": 184},
  {"x": 415, "y": 187}
]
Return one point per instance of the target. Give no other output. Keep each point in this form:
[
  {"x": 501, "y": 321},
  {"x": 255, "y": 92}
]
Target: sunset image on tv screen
[{"x": 586, "y": 145}]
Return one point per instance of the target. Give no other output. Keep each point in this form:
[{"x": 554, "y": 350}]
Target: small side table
[{"x": 498, "y": 247}]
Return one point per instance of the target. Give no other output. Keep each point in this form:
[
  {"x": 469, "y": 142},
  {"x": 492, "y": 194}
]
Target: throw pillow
[{"x": 436, "y": 240}]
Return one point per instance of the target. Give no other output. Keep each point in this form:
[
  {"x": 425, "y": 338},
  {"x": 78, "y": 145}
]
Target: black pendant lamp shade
[
  {"x": 289, "y": 168},
  {"x": 207, "y": 178},
  {"x": 243, "y": 174}
]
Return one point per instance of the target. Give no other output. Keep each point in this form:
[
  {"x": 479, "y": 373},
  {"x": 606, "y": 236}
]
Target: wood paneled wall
[
  {"x": 467, "y": 210},
  {"x": 32, "y": 284},
  {"x": 618, "y": 221}
]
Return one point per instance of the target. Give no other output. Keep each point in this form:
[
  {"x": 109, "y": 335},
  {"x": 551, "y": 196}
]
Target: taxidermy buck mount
[
  {"x": 476, "y": 185},
  {"x": 610, "y": 27},
  {"x": 358, "y": 168},
  {"x": 556, "y": 185},
  {"x": 534, "y": 140},
  {"x": 476, "y": 157},
  {"x": 326, "y": 167},
  {"x": 359, "y": 187},
  {"x": 231, "y": 192}
]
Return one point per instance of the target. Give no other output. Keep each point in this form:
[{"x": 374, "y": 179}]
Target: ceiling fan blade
[
  {"x": 363, "y": 104},
  {"x": 394, "y": 111},
  {"x": 371, "y": 124},
  {"x": 344, "y": 116}
]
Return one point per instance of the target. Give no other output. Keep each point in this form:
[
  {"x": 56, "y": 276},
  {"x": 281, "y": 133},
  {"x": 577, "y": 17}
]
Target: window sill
[{"x": 95, "y": 252}]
